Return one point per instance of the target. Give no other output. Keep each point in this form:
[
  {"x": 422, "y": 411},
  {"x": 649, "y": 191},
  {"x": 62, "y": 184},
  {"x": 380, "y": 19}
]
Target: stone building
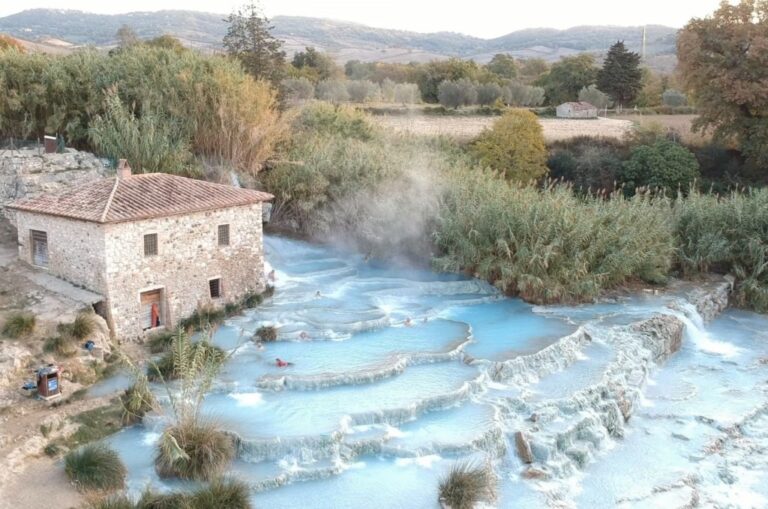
[
  {"x": 579, "y": 109},
  {"x": 155, "y": 246}
]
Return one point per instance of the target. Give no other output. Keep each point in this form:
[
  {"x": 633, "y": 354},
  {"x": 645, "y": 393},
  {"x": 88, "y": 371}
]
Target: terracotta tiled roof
[{"x": 140, "y": 196}]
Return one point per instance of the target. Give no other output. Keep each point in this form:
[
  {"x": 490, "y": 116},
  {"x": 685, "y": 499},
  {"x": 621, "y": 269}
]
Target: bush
[
  {"x": 674, "y": 98},
  {"x": 19, "y": 325},
  {"x": 137, "y": 400},
  {"x": 204, "y": 317},
  {"x": 160, "y": 341},
  {"x": 63, "y": 346},
  {"x": 266, "y": 333},
  {"x": 229, "y": 493},
  {"x": 406, "y": 93},
  {"x": 79, "y": 329},
  {"x": 547, "y": 245},
  {"x": 727, "y": 234},
  {"x": 597, "y": 168},
  {"x": 513, "y": 146},
  {"x": 95, "y": 467},
  {"x": 193, "y": 450},
  {"x": 297, "y": 90},
  {"x": 488, "y": 94},
  {"x": 152, "y": 500},
  {"x": 664, "y": 165},
  {"x": 184, "y": 354},
  {"x": 466, "y": 485},
  {"x": 252, "y": 300},
  {"x": 328, "y": 120},
  {"x": 361, "y": 91}
]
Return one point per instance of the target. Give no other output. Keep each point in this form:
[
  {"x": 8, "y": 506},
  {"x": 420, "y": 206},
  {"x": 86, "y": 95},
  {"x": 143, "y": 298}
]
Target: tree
[
  {"x": 167, "y": 42},
  {"x": 514, "y": 146},
  {"x": 249, "y": 40},
  {"x": 296, "y": 90},
  {"x": 361, "y": 91},
  {"x": 723, "y": 62},
  {"x": 517, "y": 94},
  {"x": 488, "y": 93},
  {"x": 334, "y": 91},
  {"x": 595, "y": 97},
  {"x": 621, "y": 77},
  {"x": 406, "y": 93},
  {"x": 316, "y": 65},
  {"x": 532, "y": 69},
  {"x": 503, "y": 65},
  {"x": 453, "y": 94},
  {"x": 567, "y": 77},
  {"x": 664, "y": 165},
  {"x": 357, "y": 70},
  {"x": 126, "y": 36},
  {"x": 672, "y": 97},
  {"x": 652, "y": 86},
  {"x": 432, "y": 74}
]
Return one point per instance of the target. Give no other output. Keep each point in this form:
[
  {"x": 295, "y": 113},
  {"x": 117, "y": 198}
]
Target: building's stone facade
[{"x": 109, "y": 259}]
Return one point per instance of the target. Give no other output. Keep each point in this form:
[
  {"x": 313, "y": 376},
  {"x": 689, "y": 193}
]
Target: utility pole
[{"x": 642, "y": 51}]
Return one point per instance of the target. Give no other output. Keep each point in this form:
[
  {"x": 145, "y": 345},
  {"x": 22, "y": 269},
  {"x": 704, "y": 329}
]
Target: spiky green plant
[
  {"x": 467, "y": 484},
  {"x": 18, "y": 325},
  {"x": 195, "y": 355},
  {"x": 95, "y": 467},
  {"x": 230, "y": 493},
  {"x": 193, "y": 449},
  {"x": 137, "y": 400},
  {"x": 63, "y": 346},
  {"x": 112, "y": 502}
]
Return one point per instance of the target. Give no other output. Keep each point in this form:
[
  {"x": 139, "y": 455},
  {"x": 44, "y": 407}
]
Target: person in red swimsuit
[{"x": 280, "y": 363}]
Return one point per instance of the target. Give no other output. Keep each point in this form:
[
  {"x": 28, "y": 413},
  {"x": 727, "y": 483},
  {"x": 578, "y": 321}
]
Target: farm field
[
  {"x": 679, "y": 123},
  {"x": 466, "y": 127}
]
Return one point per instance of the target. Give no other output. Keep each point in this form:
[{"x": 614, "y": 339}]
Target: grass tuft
[
  {"x": 19, "y": 325},
  {"x": 193, "y": 450},
  {"x": 137, "y": 400},
  {"x": 467, "y": 484},
  {"x": 63, "y": 346},
  {"x": 95, "y": 467}
]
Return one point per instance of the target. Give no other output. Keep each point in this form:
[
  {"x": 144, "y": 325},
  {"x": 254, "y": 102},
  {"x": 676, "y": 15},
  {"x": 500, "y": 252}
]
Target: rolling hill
[{"x": 344, "y": 40}]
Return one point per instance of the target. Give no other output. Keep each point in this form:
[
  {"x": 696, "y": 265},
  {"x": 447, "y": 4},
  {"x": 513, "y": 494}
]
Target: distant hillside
[{"x": 343, "y": 39}]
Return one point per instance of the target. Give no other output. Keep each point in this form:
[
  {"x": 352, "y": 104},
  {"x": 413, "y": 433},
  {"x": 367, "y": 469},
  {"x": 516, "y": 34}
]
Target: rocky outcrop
[
  {"x": 662, "y": 335},
  {"x": 29, "y": 172},
  {"x": 711, "y": 298}
]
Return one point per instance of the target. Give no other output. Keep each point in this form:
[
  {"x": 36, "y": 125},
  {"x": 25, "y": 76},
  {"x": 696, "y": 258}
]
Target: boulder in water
[{"x": 523, "y": 448}]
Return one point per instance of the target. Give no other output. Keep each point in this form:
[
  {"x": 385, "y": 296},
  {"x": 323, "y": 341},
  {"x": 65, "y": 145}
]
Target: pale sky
[{"x": 481, "y": 18}]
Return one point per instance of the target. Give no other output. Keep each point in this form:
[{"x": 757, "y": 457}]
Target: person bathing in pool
[{"x": 280, "y": 363}]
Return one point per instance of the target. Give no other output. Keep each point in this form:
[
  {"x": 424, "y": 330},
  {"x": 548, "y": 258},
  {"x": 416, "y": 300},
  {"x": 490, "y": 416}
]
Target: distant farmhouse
[
  {"x": 579, "y": 109},
  {"x": 155, "y": 246}
]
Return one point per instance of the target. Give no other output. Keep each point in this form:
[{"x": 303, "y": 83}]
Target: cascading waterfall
[{"x": 399, "y": 373}]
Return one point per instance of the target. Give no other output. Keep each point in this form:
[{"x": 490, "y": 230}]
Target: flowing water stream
[{"x": 399, "y": 373}]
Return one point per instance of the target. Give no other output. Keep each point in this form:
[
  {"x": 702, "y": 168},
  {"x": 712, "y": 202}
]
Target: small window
[
  {"x": 150, "y": 244},
  {"x": 223, "y": 234},
  {"x": 39, "y": 248},
  {"x": 214, "y": 285}
]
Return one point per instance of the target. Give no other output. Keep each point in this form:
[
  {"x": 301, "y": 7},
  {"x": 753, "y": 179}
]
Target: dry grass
[
  {"x": 463, "y": 128},
  {"x": 679, "y": 123}
]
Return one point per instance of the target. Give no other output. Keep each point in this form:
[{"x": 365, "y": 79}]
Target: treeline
[
  {"x": 159, "y": 105},
  {"x": 345, "y": 179}
]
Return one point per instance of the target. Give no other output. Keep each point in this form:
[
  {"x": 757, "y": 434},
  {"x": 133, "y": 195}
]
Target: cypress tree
[
  {"x": 250, "y": 40},
  {"x": 620, "y": 77}
]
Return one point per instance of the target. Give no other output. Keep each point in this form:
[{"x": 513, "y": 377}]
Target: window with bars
[
  {"x": 39, "y": 248},
  {"x": 223, "y": 234},
  {"x": 214, "y": 285},
  {"x": 150, "y": 244}
]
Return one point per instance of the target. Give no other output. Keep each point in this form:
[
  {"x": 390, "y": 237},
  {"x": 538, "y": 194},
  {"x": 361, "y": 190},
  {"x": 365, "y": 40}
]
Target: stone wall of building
[
  {"x": 75, "y": 248},
  {"x": 29, "y": 172},
  {"x": 188, "y": 257}
]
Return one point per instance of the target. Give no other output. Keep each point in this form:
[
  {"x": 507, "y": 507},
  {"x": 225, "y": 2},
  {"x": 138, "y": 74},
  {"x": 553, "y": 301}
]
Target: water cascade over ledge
[{"x": 647, "y": 400}]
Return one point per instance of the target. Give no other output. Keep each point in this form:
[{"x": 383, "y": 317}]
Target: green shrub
[
  {"x": 252, "y": 300},
  {"x": 160, "y": 341},
  {"x": 513, "y": 146},
  {"x": 192, "y": 356},
  {"x": 229, "y": 493},
  {"x": 202, "y": 318},
  {"x": 193, "y": 450},
  {"x": 95, "y": 467},
  {"x": 19, "y": 325},
  {"x": 325, "y": 119},
  {"x": 664, "y": 165},
  {"x": 466, "y": 485},
  {"x": 152, "y": 500},
  {"x": 727, "y": 234},
  {"x": 137, "y": 400},
  {"x": 82, "y": 327},
  {"x": 547, "y": 245},
  {"x": 53, "y": 449},
  {"x": 266, "y": 333}
]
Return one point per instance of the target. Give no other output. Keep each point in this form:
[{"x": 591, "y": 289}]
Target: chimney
[{"x": 123, "y": 169}]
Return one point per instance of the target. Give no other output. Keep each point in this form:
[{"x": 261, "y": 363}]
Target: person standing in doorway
[{"x": 155, "y": 315}]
